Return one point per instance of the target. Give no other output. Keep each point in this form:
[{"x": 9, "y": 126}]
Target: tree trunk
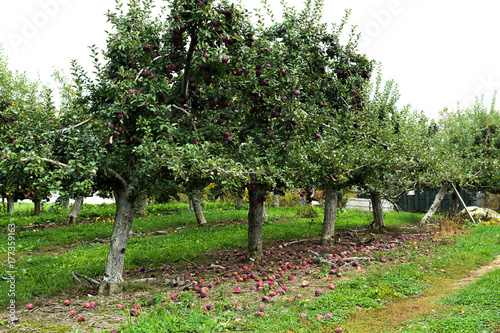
[
  {"x": 435, "y": 205},
  {"x": 38, "y": 206},
  {"x": 75, "y": 210},
  {"x": 239, "y": 199},
  {"x": 276, "y": 200},
  {"x": 112, "y": 282},
  {"x": 141, "y": 205},
  {"x": 198, "y": 209},
  {"x": 66, "y": 205},
  {"x": 331, "y": 201},
  {"x": 340, "y": 205},
  {"x": 265, "y": 217},
  {"x": 378, "y": 213},
  {"x": 454, "y": 203},
  {"x": 10, "y": 203},
  {"x": 255, "y": 218},
  {"x": 191, "y": 207}
]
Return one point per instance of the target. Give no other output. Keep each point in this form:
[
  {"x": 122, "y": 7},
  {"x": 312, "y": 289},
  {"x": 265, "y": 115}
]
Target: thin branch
[
  {"x": 179, "y": 108},
  {"x": 78, "y": 125},
  {"x": 92, "y": 281},
  {"x": 189, "y": 261},
  {"x": 46, "y": 160},
  {"x": 189, "y": 114}
]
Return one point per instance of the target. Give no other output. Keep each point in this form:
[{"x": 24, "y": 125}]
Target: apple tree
[
  {"x": 331, "y": 79},
  {"x": 465, "y": 152},
  {"x": 396, "y": 136},
  {"x": 26, "y": 113}
]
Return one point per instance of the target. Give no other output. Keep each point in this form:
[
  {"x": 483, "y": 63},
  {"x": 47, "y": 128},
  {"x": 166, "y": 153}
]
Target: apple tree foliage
[
  {"x": 330, "y": 81},
  {"x": 465, "y": 151},
  {"x": 26, "y": 115},
  {"x": 396, "y": 137}
]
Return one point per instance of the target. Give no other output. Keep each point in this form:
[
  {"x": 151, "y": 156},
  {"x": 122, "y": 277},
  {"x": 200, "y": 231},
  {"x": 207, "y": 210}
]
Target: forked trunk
[
  {"x": 331, "y": 200},
  {"x": 75, "y": 210},
  {"x": 10, "y": 203},
  {"x": 38, "y": 207},
  {"x": 112, "y": 282},
  {"x": 378, "y": 213},
  {"x": 141, "y": 205},
  {"x": 435, "y": 205},
  {"x": 255, "y": 217},
  {"x": 198, "y": 208}
]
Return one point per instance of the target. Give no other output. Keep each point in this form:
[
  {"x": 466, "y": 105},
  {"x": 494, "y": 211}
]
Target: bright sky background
[{"x": 439, "y": 52}]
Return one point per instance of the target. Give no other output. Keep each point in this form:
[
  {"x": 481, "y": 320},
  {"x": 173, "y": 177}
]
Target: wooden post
[{"x": 463, "y": 203}]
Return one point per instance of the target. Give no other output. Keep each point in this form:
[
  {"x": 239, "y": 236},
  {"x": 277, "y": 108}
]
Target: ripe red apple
[
  {"x": 225, "y": 59},
  {"x": 72, "y": 313},
  {"x": 81, "y": 319},
  {"x": 134, "y": 312},
  {"x": 29, "y": 306},
  {"x": 67, "y": 302},
  {"x": 331, "y": 286},
  {"x": 296, "y": 92}
]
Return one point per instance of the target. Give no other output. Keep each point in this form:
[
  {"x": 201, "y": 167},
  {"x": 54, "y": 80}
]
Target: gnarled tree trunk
[
  {"x": 197, "y": 207},
  {"x": 378, "y": 212},
  {"x": 75, "y": 210},
  {"x": 331, "y": 200},
  {"x": 10, "y": 203},
  {"x": 112, "y": 282},
  {"x": 435, "y": 205},
  {"x": 141, "y": 205},
  {"x": 255, "y": 218}
]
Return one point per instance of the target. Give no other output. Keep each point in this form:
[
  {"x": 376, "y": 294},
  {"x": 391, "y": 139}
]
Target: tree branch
[
  {"x": 194, "y": 41},
  {"x": 78, "y": 125},
  {"x": 115, "y": 175},
  {"x": 46, "y": 160},
  {"x": 189, "y": 114}
]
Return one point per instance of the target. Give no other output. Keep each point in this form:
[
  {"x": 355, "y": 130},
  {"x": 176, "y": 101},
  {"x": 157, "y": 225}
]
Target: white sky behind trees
[{"x": 439, "y": 52}]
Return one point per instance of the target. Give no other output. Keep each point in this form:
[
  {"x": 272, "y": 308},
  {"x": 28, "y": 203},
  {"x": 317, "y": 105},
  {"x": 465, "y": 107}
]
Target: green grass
[
  {"x": 369, "y": 291},
  {"x": 476, "y": 307},
  {"x": 44, "y": 274}
]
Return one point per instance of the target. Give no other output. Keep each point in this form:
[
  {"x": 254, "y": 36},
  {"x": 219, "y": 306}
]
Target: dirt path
[{"x": 396, "y": 313}]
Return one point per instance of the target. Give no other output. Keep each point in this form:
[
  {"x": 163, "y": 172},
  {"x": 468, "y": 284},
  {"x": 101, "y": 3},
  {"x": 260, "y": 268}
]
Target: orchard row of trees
[{"x": 200, "y": 94}]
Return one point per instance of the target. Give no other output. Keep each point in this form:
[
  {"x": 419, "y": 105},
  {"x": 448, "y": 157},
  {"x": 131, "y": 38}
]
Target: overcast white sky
[{"x": 439, "y": 52}]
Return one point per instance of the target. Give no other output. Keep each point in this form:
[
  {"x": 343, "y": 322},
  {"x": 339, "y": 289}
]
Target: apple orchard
[{"x": 200, "y": 94}]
